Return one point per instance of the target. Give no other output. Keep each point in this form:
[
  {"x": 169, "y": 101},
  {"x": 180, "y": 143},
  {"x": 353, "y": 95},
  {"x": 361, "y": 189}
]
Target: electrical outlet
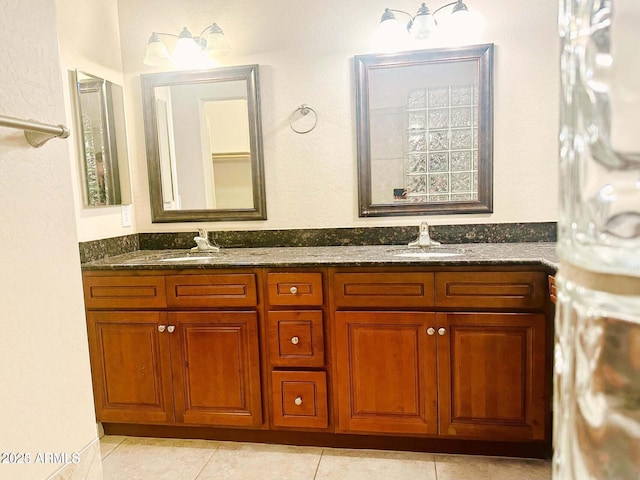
[{"x": 126, "y": 215}]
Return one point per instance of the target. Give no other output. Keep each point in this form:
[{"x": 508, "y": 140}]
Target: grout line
[
  {"x": 207, "y": 462},
  {"x": 315, "y": 474},
  {"x": 113, "y": 449},
  {"x": 435, "y": 466}
]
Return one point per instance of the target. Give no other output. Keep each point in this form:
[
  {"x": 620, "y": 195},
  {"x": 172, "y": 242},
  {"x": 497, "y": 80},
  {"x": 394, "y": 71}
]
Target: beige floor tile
[
  {"x": 108, "y": 444},
  {"x": 157, "y": 459},
  {"x": 249, "y": 461},
  {"x": 462, "y": 467},
  {"x": 520, "y": 469},
  {"x": 339, "y": 464}
]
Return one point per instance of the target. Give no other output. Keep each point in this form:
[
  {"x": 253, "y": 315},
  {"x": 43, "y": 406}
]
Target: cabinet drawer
[
  {"x": 296, "y": 338},
  {"x": 300, "y": 289},
  {"x": 124, "y": 292},
  {"x": 218, "y": 290},
  {"x": 520, "y": 290},
  {"x": 299, "y": 399},
  {"x": 393, "y": 289}
]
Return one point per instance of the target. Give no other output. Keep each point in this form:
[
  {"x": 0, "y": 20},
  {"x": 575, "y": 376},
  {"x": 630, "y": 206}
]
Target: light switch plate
[{"x": 126, "y": 215}]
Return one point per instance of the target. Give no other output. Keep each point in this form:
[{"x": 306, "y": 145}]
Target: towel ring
[{"x": 304, "y": 111}]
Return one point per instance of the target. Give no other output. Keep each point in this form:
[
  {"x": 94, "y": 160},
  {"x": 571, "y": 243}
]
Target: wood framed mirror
[
  {"x": 204, "y": 145},
  {"x": 425, "y": 131}
]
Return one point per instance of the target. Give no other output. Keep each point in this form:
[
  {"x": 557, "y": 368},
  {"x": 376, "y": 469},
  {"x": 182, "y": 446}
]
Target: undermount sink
[
  {"x": 422, "y": 254},
  {"x": 429, "y": 252},
  {"x": 196, "y": 257}
]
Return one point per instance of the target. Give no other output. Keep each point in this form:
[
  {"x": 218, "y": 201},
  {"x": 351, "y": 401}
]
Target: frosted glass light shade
[
  {"x": 390, "y": 36},
  {"x": 187, "y": 53},
  {"x": 217, "y": 43},
  {"x": 424, "y": 26},
  {"x": 156, "y": 54},
  {"x": 461, "y": 27}
]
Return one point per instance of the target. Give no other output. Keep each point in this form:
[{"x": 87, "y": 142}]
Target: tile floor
[{"x": 132, "y": 458}]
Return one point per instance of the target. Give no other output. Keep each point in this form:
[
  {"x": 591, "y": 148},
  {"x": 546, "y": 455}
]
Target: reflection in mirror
[
  {"x": 425, "y": 131},
  {"x": 102, "y": 140},
  {"x": 204, "y": 146}
]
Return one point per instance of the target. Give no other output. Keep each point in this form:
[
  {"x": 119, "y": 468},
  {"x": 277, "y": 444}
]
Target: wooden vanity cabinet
[
  {"x": 188, "y": 353},
  {"x": 296, "y": 344},
  {"x": 429, "y": 358},
  {"x": 453, "y": 354}
]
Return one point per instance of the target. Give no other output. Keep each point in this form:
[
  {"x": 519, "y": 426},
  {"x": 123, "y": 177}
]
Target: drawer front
[
  {"x": 301, "y": 289},
  {"x": 218, "y": 290},
  {"x": 393, "y": 289},
  {"x": 296, "y": 338},
  {"x": 124, "y": 292},
  {"x": 519, "y": 290},
  {"x": 300, "y": 399}
]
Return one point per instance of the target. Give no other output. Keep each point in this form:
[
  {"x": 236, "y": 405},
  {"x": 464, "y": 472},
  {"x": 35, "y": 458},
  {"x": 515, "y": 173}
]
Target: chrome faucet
[
  {"x": 202, "y": 242},
  {"x": 423, "y": 240}
]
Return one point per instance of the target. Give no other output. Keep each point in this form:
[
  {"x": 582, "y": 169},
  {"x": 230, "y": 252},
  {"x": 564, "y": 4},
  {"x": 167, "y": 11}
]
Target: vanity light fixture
[
  {"x": 392, "y": 35},
  {"x": 189, "y": 50}
]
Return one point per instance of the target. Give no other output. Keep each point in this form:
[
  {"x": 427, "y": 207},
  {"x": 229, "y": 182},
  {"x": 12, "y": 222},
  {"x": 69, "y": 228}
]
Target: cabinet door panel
[
  {"x": 386, "y": 372},
  {"x": 216, "y": 368},
  {"x": 491, "y": 376},
  {"x": 130, "y": 366}
]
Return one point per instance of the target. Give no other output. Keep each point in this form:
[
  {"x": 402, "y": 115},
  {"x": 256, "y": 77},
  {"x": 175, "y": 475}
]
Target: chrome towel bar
[{"x": 37, "y": 133}]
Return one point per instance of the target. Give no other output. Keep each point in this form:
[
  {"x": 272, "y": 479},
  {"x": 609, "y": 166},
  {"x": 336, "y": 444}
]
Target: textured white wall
[
  {"x": 305, "y": 51},
  {"x": 46, "y": 402}
]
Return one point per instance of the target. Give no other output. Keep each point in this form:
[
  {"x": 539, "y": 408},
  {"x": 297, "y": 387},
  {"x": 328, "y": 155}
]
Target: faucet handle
[
  {"x": 202, "y": 232},
  {"x": 424, "y": 239}
]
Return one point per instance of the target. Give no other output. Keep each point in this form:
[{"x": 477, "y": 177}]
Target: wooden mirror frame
[
  {"x": 365, "y": 65},
  {"x": 248, "y": 73}
]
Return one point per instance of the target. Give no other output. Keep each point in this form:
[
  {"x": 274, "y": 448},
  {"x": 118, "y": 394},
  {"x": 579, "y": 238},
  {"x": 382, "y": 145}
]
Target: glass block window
[{"x": 441, "y": 144}]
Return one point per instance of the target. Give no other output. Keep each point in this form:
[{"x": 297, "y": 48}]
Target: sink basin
[
  {"x": 419, "y": 254},
  {"x": 188, "y": 258},
  {"x": 429, "y": 252}
]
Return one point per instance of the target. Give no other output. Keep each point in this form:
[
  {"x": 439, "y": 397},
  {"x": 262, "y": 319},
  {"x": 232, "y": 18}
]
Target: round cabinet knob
[
  {"x": 162, "y": 328},
  {"x": 431, "y": 331},
  {"x": 298, "y": 401},
  {"x": 293, "y": 290},
  {"x": 442, "y": 331},
  {"x": 171, "y": 328},
  {"x": 295, "y": 340}
]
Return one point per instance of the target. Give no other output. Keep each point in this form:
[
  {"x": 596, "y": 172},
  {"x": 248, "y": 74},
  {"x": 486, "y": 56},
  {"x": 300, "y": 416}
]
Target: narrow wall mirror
[
  {"x": 204, "y": 145},
  {"x": 425, "y": 131},
  {"x": 102, "y": 140}
]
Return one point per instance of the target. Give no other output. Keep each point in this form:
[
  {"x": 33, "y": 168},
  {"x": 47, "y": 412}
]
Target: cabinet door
[
  {"x": 216, "y": 368},
  {"x": 386, "y": 372},
  {"x": 131, "y": 366},
  {"x": 491, "y": 375}
]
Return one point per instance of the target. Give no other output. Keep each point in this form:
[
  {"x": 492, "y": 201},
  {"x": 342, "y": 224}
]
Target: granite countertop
[{"x": 378, "y": 255}]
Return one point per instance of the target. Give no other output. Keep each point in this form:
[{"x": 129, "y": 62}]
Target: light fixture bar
[
  {"x": 423, "y": 26},
  {"x": 189, "y": 49}
]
